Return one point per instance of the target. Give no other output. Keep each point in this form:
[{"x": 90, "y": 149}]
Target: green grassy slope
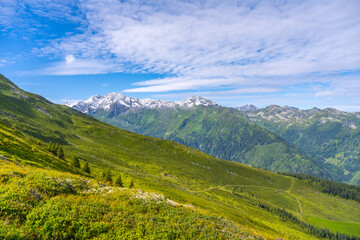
[
  {"x": 47, "y": 204},
  {"x": 329, "y": 135},
  {"x": 221, "y": 132},
  {"x": 187, "y": 176}
]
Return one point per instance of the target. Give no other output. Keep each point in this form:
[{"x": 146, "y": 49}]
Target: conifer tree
[
  {"x": 86, "y": 168},
  {"x": 76, "y": 162},
  {"x": 107, "y": 175},
  {"x": 118, "y": 181},
  {"x": 50, "y": 146},
  {"x": 55, "y": 148},
  {"x": 60, "y": 152},
  {"x": 131, "y": 185}
]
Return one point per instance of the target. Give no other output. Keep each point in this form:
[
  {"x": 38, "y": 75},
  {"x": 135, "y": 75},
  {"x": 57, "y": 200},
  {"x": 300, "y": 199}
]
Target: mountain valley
[{"x": 257, "y": 137}]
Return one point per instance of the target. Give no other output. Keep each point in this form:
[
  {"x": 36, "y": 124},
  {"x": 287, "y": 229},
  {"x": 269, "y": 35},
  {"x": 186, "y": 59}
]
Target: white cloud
[
  {"x": 325, "y": 93},
  {"x": 3, "y": 62},
  {"x": 69, "y": 59},
  {"x": 249, "y": 47},
  {"x": 217, "y": 43},
  {"x": 72, "y": 66}
]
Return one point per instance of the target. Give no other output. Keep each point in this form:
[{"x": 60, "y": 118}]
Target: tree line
[
  {"x": 316, "y": 231},
  {"x": 343, "y": 190}
]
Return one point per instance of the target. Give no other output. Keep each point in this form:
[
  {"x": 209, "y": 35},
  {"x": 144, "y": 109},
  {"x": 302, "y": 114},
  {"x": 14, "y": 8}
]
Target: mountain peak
[
  {"x": 196, "y": 101},
  {"x": 124, "y": 103},
  {"x": 247, "y": 108}
]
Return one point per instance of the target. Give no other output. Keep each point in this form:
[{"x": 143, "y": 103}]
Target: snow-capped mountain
[
  {"x": 247, "y": 108},
  {"x": 123, "y": 103}
]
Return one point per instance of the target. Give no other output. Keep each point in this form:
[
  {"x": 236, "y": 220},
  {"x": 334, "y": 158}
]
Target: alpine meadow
[{"x": 178, "y": 119}]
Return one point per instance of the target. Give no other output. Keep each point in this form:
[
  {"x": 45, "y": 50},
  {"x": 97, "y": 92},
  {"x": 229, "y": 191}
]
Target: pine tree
[
  {"x": 76, "y": 162},
  {"x": 107, "y": 175},
  {"x": 50, "y": 146},
  {"x": 60, "y": 152},
  {"x": 55, "y": 148},
  {"x": 118, "y": 181},
  {"x": 131, "y": 185},
  {"x": 86, "y": 168}
]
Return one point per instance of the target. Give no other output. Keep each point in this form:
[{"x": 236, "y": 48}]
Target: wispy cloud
[
  {"x": 73, "y": 66},
  {"x": 3, "y": 62},
  {"x": 217, "y": 43},
  {"x": 237, "y": 47},
  {"x": 22, "y": 16}
]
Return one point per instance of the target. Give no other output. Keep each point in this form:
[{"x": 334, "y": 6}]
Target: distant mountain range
[
  {"x": 124, "y": 103},
  {"x": 269, "y": 138},
  {"x": 329, "y": 135}
]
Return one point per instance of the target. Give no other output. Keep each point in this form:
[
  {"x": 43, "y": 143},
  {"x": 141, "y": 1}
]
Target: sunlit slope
[
  {"x": 46, "y": 204},
  {"x": 182, "y": 174},
  {"x": 219, "y": 131}
]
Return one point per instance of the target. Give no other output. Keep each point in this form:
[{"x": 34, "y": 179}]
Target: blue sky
[{"x": 299, "y": 53}]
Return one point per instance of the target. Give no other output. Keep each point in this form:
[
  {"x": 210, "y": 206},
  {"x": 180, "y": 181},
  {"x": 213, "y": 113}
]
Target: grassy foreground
[{"x": 37, "y": 203}]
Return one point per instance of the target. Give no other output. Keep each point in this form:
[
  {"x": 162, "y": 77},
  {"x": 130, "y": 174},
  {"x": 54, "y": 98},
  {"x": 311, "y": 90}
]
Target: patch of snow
[
  {"x": 122, "y": 103},
  {"x": 247, "y": 108}
]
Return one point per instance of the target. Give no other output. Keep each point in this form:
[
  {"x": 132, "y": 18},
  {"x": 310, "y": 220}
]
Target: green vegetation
[
  {"x": 174, "y": 191},
  {"x": 319, "y": 232},
  {"x": 342, "y": 190},
  {"x": 86, "y": 168},
  {"x": 349, "y": 228},
  {"x": 44, "y": 204},
  {"x": 219, "y": 131},
  {"x": 330, "y": 136},
  {"x": 76, "y": 162},
  {"x": 118, "y": 181}
]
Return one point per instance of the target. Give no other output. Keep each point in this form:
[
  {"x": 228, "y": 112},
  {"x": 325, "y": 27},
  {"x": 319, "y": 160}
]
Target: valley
[{"x": 268, "y": 138}]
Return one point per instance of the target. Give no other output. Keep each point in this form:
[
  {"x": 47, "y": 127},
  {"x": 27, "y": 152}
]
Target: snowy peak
[
  {"x": 247, "y": 108},
  {"x": 123, "y": 103},
  {"x": 195, "y": 101}
]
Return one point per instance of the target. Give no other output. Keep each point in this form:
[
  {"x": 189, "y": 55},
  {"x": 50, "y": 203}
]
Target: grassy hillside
[
  {"x": 47, "y": 204},
  {"x": 40, "y": 192},
  {"x": 329, "y": 135},
  {"x": 221, "y": 132}
]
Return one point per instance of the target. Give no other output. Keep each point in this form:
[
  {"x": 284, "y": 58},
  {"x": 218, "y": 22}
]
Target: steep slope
[
  {"x": 201, "y": 124},
  {"x": 330, "y": 135},
  {"x": 250, "y": 198}
]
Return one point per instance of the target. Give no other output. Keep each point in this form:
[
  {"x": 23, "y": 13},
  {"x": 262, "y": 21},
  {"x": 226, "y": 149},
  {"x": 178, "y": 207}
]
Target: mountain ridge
[
  {"x": 208, "y": 131},
  {"x": 219, "y": 131},
  {"x": 97, "y": 102},
  {"x": 104, "y": 102},
  {"x": 329, "y": 135}
]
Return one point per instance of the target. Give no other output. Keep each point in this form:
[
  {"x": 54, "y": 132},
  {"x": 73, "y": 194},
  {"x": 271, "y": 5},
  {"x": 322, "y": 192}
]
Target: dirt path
[
  {"x": 230, "y": 185},
  {"x": 297, "y": 200},
  {"x": 224, "y": 186}
]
